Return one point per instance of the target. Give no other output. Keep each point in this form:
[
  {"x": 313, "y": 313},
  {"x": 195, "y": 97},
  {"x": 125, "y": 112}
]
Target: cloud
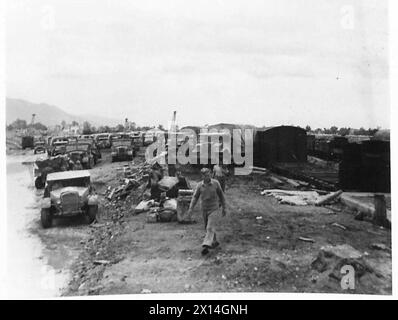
[{"x": 217, "y": 60}]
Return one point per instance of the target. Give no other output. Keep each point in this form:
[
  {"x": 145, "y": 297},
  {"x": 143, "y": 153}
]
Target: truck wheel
[
  {"x": 92, "y": 213},
  {"x": 39, "y": 183},
  {"x": 46, "y": 218}
]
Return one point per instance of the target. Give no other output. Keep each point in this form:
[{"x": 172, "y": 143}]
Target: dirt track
[{"x": 260, "y": 250}]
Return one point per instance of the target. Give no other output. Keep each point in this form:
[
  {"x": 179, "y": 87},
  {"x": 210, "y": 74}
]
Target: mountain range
[{"x": 50, "y": 115}]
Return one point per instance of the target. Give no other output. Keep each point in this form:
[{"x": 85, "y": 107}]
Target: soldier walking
[{"x": 212, "y": 196}]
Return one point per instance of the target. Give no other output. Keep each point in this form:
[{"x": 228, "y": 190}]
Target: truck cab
[
  {"x": 81, "y": 151},
  {"x": 68, "y": 193},
  {"x": 122, "y": 149}
]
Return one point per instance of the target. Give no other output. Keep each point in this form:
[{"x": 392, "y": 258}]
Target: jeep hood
[{"x": 56, "y": 194}]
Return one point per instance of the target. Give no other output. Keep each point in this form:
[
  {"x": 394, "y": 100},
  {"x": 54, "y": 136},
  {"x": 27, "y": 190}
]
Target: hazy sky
[{"x": 317, "y": 62}]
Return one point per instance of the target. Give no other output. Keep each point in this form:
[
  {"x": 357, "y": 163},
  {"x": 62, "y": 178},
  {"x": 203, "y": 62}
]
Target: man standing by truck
[{"x": 211, "y": 194}]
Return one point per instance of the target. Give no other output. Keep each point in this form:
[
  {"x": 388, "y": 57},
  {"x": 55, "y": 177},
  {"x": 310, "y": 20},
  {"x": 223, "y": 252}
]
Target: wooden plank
[{"x": 326, "y": 199}]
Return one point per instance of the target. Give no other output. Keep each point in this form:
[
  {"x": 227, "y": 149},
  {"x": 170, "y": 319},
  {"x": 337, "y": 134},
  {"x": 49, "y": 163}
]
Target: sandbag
[
  {"x": 167, "y": 215},
  {"x": 168, "y": 182},
  {"x": 152, "y": 217},
  {"x": 170, "y": 204}
]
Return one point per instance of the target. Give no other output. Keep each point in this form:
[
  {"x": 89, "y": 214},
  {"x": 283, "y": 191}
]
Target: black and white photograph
[{"x": 196, "y": 148}]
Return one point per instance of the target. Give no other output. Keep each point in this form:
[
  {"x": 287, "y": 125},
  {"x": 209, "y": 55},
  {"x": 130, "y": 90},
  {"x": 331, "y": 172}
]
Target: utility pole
[
  {"x": 32, "y": 122},
  {"x": 173, "y": 122}
]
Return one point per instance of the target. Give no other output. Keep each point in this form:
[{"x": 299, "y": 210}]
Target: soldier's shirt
[{"x": 210, "y": 194}]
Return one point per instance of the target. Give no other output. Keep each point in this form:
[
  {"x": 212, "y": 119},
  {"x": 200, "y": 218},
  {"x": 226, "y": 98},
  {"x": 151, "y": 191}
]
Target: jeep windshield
[
  {"x": 77, "y": 147},
  {"x": 76, "y": 182},
  {"x": 120, "y": 143}
]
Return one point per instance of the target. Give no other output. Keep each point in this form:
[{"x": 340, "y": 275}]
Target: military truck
[
  {"x": 67, "y": 194},
  {"x": 95, "y": 150},
  {"x": 57, "y": 146},
  {"x": 27, "y": 142},
  {"x": 43, "y": 167},
  {"x": 137, "y": 143},
  {"x": 103, "y": 140},
  {"x": 122, "y": 149},
  {"x": 81, "y": 151}
]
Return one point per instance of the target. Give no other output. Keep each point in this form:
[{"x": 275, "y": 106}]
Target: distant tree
[
  {"x": 308, "y": 128},
  {"x": 75, "y": 123},
  {"x": 372, "y": 132},
  {"x": 333, "y": 130},
  {"x": 143, "y": 128},
  {"x": 344, "y": 131},
  {"x": 119, "y": 128},
  {"x": 160, "y": 127},
  {"x": 86, "y": 127},
  {"x": 19, "y": 124},
  {"x": 63, "y": 124},
  {"x": 39, "y": 126}
]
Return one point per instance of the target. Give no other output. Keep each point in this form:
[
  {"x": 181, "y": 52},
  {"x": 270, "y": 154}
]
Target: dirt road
[{"x": 260, "y": 248}]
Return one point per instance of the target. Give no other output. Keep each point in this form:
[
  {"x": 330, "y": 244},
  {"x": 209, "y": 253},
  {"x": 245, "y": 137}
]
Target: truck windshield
[
  {"x": 77, "y": 182},
  {"x": 79, "y": 147},
  {"x": 118, "y": 143}
]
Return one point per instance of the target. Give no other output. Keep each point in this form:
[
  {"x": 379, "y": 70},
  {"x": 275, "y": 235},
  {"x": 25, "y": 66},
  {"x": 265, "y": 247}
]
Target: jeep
[{"x": 68, "y": 193}]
